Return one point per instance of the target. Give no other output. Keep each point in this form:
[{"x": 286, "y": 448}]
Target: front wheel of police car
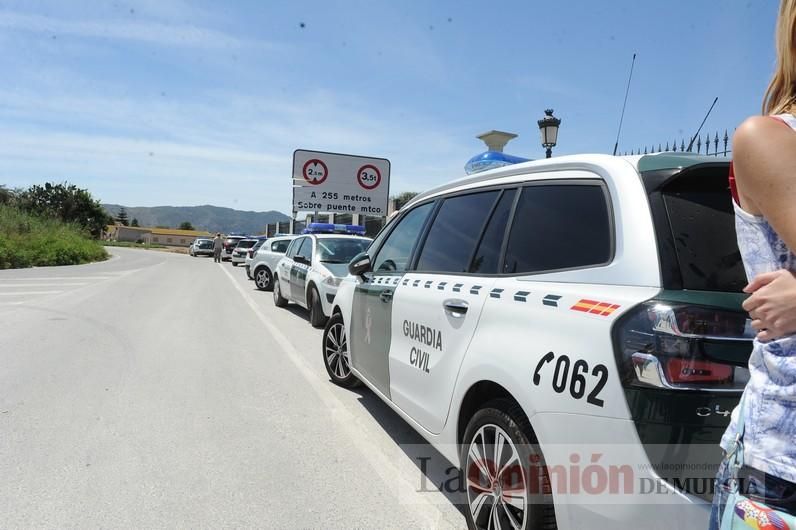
[
  {"x": 335, "y": 353},
  {"x": 279, "y": 300},
  {"x": 504, "y": 470},
  {"x": 317, "y": 318}
]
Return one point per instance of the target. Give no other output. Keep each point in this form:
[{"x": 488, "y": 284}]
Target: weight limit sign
[{"x": 369, "y": 177}]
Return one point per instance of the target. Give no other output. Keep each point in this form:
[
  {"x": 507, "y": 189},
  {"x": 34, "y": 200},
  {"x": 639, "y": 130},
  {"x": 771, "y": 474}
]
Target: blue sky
[{"x": 170, "y": 102}]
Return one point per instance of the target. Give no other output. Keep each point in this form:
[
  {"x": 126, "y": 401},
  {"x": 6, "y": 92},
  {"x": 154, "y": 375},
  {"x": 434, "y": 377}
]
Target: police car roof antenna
[
  {"x": 691, "y": 143},
  {"x": 627, "y": 91}
]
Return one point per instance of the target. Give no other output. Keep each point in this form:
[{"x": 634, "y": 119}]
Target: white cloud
[
  {"x": 222, "y": 148},
  {"x": 146, "y": 31}
]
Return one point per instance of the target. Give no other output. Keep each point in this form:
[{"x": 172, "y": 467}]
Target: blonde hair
[{"x": 781, "y": 93}]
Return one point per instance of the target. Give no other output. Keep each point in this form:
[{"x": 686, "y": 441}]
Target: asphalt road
[{"x": 160, "y": 390}]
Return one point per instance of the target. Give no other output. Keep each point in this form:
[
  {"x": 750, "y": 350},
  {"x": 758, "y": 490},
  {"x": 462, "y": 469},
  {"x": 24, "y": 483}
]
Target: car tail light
[
  {"x": 251, "y": 253},
  {"x": 676, "y": 346}
]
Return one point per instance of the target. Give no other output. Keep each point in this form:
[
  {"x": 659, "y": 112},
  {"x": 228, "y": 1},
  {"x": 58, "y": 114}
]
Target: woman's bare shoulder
[{"x": 762, "y": 136}]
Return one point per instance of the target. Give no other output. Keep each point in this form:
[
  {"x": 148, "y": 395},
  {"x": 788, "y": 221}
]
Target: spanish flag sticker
[{"x": 594, "y": 307}]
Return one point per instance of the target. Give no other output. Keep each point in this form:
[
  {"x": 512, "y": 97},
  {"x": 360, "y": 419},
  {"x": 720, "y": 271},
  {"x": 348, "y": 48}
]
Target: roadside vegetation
[{"x": 54, "y": 224}]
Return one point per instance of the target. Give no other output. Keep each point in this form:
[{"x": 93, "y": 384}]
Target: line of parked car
[
  {"x": 569, "y": 310},
  {"x": 304, "y": 269}
]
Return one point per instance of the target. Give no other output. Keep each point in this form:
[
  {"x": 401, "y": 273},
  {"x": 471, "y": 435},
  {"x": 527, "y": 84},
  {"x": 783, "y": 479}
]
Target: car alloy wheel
[
  {"x": 497, "y": 488},
  {"x": 262, "y": 278},
  {"x": 336, "y": 348},
  {"x": 279, "y": 300},
  {"x": 336, "y": 358}
]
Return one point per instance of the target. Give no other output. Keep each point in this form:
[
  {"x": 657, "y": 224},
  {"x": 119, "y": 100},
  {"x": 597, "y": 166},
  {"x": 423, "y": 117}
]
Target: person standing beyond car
[
  {"x": 763, "y": 184},
  {"x": 218, "y": 244}
]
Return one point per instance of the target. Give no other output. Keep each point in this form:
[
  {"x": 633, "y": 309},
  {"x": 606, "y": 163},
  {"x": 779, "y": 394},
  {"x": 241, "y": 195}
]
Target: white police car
[
  {"x": 313, "y": 266},
  {"x": 568, "y": 332}
]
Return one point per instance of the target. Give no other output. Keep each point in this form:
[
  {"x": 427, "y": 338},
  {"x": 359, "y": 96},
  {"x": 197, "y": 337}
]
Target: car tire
[
  {"x": 234, "y": 263},
  {"x": 317, "y": 318},
  {"x": 279, "y": 300},
  {"x": 336, "y": 358},
  {"x": 263, "y": 279},
  {"x": 529, "y": 508}
]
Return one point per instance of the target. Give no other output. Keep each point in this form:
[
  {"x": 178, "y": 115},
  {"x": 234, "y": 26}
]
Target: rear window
[
  {"x": 247, "y": 243},
  {"x": 701, "y": 223},
  {"x": 340, "y": 250},
  {"x": 280, "y": 246},
  {"x": 205, "y": 244}
]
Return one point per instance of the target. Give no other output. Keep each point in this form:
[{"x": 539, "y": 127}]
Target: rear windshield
[
  {"x": 205, "y": 244},
  {"x": 340, "y": 250},
  {"x": 247, "y": 243},
  {"x": 701, "y": 231}
]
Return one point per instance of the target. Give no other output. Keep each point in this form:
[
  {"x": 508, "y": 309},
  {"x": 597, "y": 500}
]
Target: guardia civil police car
[
  {"x": 314, "y": 265},
  {"x": 568, "y": 332}
]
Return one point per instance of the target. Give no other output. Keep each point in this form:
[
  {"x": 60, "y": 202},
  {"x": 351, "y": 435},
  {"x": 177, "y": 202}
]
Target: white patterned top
[{"x": 770, "y": 395}]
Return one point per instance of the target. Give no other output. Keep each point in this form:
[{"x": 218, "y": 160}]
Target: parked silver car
[
  {"x": 242, "y": 250},
  {"x": 265, "y": 259},
  {"x": 201, "y": 247},
  {"x": 250, "y": 257}
]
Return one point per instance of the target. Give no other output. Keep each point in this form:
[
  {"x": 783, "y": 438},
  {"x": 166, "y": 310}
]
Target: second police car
[
  {"x": 313, "y": 266},
  {"x": 567, "y": 332}
]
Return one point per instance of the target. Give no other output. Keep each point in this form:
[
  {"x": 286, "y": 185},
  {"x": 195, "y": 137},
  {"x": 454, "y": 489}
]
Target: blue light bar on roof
[
  {"x": 330, "y": 228},
  {"x": 491, "y": 160}
]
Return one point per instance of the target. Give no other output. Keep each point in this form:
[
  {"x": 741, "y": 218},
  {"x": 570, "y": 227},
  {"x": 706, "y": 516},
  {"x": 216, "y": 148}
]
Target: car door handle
[
  {"x": 456, "y": 308},
  {"x": 386, "y": 296}
]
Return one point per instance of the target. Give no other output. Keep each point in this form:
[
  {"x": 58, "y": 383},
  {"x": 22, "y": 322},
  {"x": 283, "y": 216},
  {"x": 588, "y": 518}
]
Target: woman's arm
[{"x": 764, "y": 158}]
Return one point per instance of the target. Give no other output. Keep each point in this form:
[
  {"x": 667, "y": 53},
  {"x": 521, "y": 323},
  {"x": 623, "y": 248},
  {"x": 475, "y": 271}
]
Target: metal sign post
[{"x": 339, "y": 183}]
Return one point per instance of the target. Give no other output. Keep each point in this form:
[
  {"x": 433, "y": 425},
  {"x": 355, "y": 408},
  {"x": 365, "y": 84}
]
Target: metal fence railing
[{"x": 711, "y": 145}]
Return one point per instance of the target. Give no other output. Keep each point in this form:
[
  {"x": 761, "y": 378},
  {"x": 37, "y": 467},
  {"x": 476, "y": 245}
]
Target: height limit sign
[{"x": 339, "y": 183}]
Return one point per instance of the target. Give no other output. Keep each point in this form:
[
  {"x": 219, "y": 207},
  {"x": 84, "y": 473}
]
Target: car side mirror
[{"x": 360, "y": 264}]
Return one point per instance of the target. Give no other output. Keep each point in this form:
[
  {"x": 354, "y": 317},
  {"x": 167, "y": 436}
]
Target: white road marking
[
  {"x": 58, "y": 284},
  {"x": 390, "y": 473},
  {"x": 28, "y": 293},
  {"x": 58, "y": 278}
]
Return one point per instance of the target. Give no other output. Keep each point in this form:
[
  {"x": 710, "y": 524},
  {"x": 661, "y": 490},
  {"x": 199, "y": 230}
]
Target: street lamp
[{"x": 548, "y": 127}]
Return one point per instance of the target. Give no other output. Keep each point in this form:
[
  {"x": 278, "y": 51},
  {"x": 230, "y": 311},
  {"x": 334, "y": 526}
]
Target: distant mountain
[{"x": 210, "y": 218}]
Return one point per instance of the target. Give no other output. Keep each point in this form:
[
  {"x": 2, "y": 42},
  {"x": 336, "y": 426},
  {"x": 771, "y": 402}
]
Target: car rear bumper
[{"x": 608, "y": 481}]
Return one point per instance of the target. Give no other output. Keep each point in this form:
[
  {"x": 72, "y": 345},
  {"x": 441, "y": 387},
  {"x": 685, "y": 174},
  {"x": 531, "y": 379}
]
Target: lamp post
[{"x": 548, "y": 127}]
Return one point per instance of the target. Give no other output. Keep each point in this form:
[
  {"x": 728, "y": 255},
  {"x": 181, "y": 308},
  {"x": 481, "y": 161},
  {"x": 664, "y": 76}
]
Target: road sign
[
  {"x": 369, "y": 176},
  {"x": 314, "y": 171},
  {"x": 338, "y": 183}
]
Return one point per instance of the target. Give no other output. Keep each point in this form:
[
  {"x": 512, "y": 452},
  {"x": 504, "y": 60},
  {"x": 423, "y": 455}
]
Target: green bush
[{"x": 28, "y": 240}]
